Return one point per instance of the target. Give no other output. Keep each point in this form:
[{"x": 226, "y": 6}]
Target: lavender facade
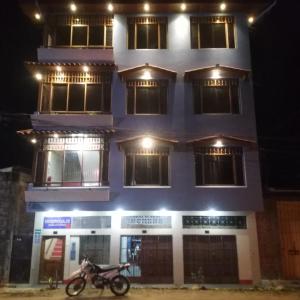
[{"x": 145, "y": 141}]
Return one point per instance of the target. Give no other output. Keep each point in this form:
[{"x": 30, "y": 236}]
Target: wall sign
[
  {"x": 229, "y": 222},
  {"x": 146, "y": 222},
  {"x": 57, "y": 222}
]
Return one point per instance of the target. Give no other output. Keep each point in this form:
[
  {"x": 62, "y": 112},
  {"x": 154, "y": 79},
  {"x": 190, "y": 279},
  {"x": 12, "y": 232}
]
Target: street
[{"x": 153, "y": 294}]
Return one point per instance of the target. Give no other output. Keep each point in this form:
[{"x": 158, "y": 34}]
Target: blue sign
[{"x": 57, "y": 223}]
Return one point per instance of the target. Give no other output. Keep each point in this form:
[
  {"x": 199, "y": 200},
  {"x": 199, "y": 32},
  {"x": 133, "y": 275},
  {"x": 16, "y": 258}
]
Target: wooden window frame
[
  {"x": 214, "y": 20},
  {"x": 232, "y": 152},
  {"x": 133, "y": 179},
  {"x": 135, "y": 84},
  {"x": 230, "y": 82},
  {"x": 147, "y": 21},
  {"x": 66, "y": 111}
]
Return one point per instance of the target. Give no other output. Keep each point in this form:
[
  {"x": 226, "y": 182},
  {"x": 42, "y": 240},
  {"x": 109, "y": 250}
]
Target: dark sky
[{"x": 275, "y": 41}]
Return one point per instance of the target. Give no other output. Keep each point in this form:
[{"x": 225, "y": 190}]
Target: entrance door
[
  {"x": 52, "y": 258},
  {"x": 210, "y": 259},
  {"x": 151, "y": 258}
]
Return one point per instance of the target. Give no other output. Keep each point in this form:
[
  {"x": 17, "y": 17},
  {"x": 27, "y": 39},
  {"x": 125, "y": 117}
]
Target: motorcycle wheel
[
  {"x": 119, "y": 285},
  {"x": 75, "y": 286}
]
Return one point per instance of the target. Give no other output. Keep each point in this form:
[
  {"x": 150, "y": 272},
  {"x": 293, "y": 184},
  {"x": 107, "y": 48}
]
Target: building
[
  {"x": 279, "y": 235},
  {"x": 145, "y": 140},
  {"x": 16, "y": 226}
]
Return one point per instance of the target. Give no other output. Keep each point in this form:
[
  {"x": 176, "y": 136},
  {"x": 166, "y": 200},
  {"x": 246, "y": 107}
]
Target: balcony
[
  {"x": 57, "y": 194},
  {"x": 75, "y": 54}
]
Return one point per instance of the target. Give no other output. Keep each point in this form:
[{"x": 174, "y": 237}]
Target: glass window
[
  {"x": 59, "y": 97},
  {"x": 63, "y": 34},
  {"x": 79, "y": 35},
  {"x": 96, "y": 35},
  {"x": 55, "y": 167},
  {"x": 147, "y": 33},
  {"x": 96, "y": 247},
  {"x": 94, "y": 97},
  {"x": 90, "y": 167},
  {"x": 146, "y": 169},
  {"x": 147, "y": 99},
  {"x": 76, "y": 97},
  {"x": 72, "y": 167},
  {"x": 212, "y": 32},
  {"x": 219, "y": 169},
  {"x": 216, "y": 98}
]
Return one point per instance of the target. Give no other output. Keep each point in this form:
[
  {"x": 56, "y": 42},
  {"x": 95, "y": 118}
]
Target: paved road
[{"x": 151, "y": 294}]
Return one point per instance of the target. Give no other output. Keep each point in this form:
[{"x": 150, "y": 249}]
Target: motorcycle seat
[{"x": 108, "y": 268}]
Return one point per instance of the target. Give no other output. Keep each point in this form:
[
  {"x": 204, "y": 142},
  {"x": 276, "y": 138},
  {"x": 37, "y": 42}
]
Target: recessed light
[
  {"x": 110, "y": 7},
  {"x": 85, "y": 68},
  {"x": 58, "y": 68},
  {"x": 146, "y": 7},
  {"x": 183, "y": 6},
  {"x": 223, "y": 6},
  {"x": 38, "y": 76},
  {"x": 37, "y": 16},
  {"x": 251, "y": 20},
  {"x": 73, "y": 7}
]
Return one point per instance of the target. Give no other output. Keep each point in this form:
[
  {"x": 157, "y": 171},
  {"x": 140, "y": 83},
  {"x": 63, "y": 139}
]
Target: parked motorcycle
[{"x": 100, "y": 277}]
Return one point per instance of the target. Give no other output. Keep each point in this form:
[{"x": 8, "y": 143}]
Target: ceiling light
[
  {"x": 223, "y": 6},
  {"x": 33, "y": 141},
  {"x": 38, "y": 76},
  {"x": 58, "y": 68},
  {"x": 85, "y": 68},
  {"x": 183, "y": 6},
  {"x": 251, "y": 20},
  {"x": 147, "y": 143},
  {"x": 37, "y": 16},
  {"x": 146, "y": 7},
  {"x": 146, "y": 75},
  {"x": 110, "y": 7},
  {"x": 73, "y": 7},
  {"x": 55, "y": 135},
  {"x": 218, "y": 144},
  {"x": 216, "y": 74}
]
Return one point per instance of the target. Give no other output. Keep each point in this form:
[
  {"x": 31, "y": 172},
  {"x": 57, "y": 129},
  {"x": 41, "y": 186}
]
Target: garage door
[
  {"x": 210, "y": 259},
  {"x": 150, "y": 257}
]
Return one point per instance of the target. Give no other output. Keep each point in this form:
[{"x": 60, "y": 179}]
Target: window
[
  {"x": 96, "y": 247},
  {"x": 216, "y": 96},
  {"x": 72, "y": 161},
  {"x": 147, "y": 97},
  {"x": 82, "y": 31},
  {"x": 146, "y": 169},
  {"x": 219, "y": 166},
  {"x": 212, "y": 32},
  {"x": 76, "y": 97},
  {"x": 147, "y": 33}
]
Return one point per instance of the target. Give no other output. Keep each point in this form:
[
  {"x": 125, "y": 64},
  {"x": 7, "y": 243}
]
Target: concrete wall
[{"x": 13, "y": 218}]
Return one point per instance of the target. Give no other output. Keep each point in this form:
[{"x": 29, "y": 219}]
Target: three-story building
[{"x": 145, "y": 140}]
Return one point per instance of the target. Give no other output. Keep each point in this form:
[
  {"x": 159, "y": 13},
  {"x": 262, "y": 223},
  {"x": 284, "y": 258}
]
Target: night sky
[{"x": 275, "y": 41}]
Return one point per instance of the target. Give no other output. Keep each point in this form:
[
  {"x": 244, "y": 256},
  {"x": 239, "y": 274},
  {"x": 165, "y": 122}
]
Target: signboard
[
  {"x": 146, "y": 222},
  {"x": 57, "y": 222}
]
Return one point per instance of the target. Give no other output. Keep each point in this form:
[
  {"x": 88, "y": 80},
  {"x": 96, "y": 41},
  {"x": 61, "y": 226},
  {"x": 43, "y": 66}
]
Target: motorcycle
[{"x": 100, "y": 277}]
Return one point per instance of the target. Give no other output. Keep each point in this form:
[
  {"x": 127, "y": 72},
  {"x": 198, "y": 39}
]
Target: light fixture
[
  {"x": 146, "y": 7},
  {"x": 251, "y": 20},
  {"x": 218, "y": 144},
  {"x": 37, "y": 16},
  {"x": 33, "y": 141},
  {"x": 58, "y": 68},
  {"x": 73, "y": 7},
  {"x": 147, "y": 143},
  {"x": 38, "y": 76},
  {"x": 223, "y": 6},
  {"x": 110, "y": 7},
  {"x": 119, "y": 209},
  {"x": 146, "y": 75},
  {"x": 55, "y": 135},
  {"x": 85, "y": 68},
  {"x": 216, "y": 74},
  {"x": 163, "y": 209},
  {"x": 183, "y": 6}
]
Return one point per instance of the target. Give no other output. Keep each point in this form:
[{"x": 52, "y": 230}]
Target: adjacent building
[{"x": 145, "y": 140}]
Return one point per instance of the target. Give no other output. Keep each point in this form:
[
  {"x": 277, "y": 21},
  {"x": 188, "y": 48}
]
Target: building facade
[{"x": 145, "y": 140}]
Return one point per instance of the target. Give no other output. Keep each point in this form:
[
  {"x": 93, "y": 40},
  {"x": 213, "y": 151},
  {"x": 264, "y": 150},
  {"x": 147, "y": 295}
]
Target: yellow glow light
[
  {"x": 147, "y": 143},
  {"x": 251, "y": 20},
  {"x": 85, "y": 68},
  {"x": 216, "y": 74},
  {"x": 183, "y": 6},
  {"x": 218, "y": 144},
  {"x": 58, "y": 68},
  {"x": 33, "y": 141},
  {"x": 223, "y": 6},
  {"x": 146, "y": 75},
  {"x": 146, "y": 7},
  {"x": 55, "y": 135},
  {"x": 37, "y": 16},
  {"x": 110, "y": 7},
  {"x": 38, "y": 76},
  {"x": 73, "y": 7}
]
